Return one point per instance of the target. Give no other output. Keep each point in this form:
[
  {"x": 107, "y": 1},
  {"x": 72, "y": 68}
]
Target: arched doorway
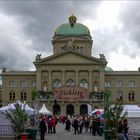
[
  {"x": 56, "y": 109},
  {"x": 70, "y": 109},
  {"x": 83, "y": 109}
]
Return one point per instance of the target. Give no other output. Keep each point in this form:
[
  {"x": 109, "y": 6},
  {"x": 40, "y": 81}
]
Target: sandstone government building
[{"x": 71, "y": 79}]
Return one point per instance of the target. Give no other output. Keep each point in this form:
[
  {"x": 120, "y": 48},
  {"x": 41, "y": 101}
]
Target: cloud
[
  {"x": 121, "y": 38},
  {"x": 130, "y": 17},
  {"x": 34, "y": 23},
  {"x": 15, "y": 46},
  {"x": 27, "y": 28}
]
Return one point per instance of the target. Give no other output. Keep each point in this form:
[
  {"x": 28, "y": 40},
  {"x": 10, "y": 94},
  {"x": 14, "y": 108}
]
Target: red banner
[{"x": 70, "y": 93}]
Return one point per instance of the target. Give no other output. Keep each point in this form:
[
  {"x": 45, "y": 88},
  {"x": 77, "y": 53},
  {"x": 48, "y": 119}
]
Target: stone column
[
  {"x": 63, "y": 77},
  {"x": 38, "y": 80},
  {"x": 90, "y": 81},
  {"x": 101, "y": 80},
  {"x": 50, "y": 80},
  {"x": 63, "y": 108},
  {"x": 77, "y": 77},
  {"x": 76, "y": 108}
]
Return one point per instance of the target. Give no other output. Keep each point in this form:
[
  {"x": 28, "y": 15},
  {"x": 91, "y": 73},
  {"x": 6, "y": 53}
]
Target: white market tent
[
  {"x": 44, "y": 110},
  {"x": 96, "y": 110},
  {"x": 89, "y": 109},
  {"x": 28, "y": 110},
  {"x": 132, "y": 110}
]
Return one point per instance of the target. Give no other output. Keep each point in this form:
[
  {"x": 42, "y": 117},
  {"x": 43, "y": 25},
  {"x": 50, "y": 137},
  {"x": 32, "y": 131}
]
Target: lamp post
[
  {"x": 55, "y": 102},
  {"x": 54, "y": 107}
]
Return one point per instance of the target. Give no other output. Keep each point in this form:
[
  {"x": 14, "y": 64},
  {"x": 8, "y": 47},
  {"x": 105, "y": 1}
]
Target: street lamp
[{"x": 55, "y": 102}]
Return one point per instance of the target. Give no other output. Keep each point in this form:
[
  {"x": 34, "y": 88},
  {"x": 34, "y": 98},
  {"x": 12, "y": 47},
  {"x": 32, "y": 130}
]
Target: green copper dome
[
  {"x": 108, "y": 69},
  {"x": 72, "y": 28}
]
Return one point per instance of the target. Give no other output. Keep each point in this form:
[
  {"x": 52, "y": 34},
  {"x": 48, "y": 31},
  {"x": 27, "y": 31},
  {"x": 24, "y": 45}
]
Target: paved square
[{"x": 61, "y": 134}]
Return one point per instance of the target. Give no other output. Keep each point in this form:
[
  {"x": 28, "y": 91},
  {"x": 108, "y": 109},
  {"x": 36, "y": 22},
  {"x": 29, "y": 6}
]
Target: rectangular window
[
  {"x": 23, "y": 84},
  {"x": 12, "y": 83},
  {"x": 131, "y": 83},
  {"x": 81, "y": 49},
  {"x": 12, "y": 96},
  {"x": 23, "y": 95},
  {"x": 107, "y": 83},
  {"x": 33, "y": 83},
  {"x": 119, "y": 83},
  {"x": 131, "y": 96}
]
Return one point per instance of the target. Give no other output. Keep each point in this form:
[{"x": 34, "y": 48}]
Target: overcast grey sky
[{"x": 27, "y": 28}]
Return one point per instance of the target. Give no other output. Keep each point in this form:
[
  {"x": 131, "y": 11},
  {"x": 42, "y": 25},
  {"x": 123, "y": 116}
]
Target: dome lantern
[
  {"x": 72, "y": 20},
  {"x": 72, "y": 28}
]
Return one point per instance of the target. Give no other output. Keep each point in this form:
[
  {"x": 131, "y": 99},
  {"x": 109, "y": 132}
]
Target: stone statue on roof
[
  {"x": 38, "y": 57},
  {"x": 102, "y": 57},
  {"x": 3, "y": 69}
]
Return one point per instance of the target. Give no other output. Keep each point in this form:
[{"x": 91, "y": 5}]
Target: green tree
[
  {"x": 17, "y": 117},
  {"x": 113, "y": 114},
  {"x": 34, "y": 95}
]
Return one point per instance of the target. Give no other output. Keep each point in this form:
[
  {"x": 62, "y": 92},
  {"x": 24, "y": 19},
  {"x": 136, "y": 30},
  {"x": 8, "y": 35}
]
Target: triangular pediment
[{"x": 69, "y": 58}]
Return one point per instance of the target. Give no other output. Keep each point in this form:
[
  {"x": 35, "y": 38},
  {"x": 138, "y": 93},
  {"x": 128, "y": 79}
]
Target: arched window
[
  {"x": 81, "y": 49},
  {"x": 56, "y": 83},
  {"x": 95, "y": 86},
  {"x": 56, "y": 109},
  {"x": 70, "y": 82},
  {"x": 131, "y": 96},
  {"x": 83, "y": 109},
  {"x": 119, "y": 95},
  {"x": 45, "y": 86},
  {"x": 84, "y": 83}
]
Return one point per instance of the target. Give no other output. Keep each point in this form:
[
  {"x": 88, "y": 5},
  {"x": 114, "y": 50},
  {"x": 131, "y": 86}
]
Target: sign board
[{"x": 66, "y": 93}]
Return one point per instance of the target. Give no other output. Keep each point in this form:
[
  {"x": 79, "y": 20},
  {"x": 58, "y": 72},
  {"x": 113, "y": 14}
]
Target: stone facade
[{"x": 71, "y": 64}]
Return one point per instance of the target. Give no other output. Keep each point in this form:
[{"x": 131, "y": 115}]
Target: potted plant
[
  {"x": 18, "y": 118},
  {"x": 113, "y": 114}
]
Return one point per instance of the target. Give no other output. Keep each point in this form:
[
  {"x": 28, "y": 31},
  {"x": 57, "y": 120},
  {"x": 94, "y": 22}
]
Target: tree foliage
[
  {"x": 17, "y": 117},
  {"x": 34, "y": 94},
  {"x": 113, "y": 114}
]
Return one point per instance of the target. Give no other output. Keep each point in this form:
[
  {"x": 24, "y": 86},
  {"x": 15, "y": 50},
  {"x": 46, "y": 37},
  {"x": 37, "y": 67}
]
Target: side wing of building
[
  {"x": 123, "y": 85},
  {"x": 17, "y": 85}
]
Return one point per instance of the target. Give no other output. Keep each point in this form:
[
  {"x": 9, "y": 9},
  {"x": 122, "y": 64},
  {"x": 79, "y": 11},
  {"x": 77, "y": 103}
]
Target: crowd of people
[
  {"x": 78, "y": 124},
  {"x": 82, "y": 124},
  {"x": 46, "y": 124},
  {"x": 122, "y": 129}
]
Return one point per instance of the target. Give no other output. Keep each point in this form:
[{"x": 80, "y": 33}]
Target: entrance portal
[
  {"x": 56, "y": 109},
  {"x": 83, "y": 109},
  {"x": 70, "y": 109}
]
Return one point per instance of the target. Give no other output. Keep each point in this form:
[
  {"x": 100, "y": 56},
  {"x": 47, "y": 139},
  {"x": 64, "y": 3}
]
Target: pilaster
[
  {"x": 90, "y": 81},
  {"x": 50, "y": 79},
  {"x": 77, "y": 77},
  {"x": 101, "y": 80},
  {"x": 38, "y": 80},
  {"x": 63, "y": 77}
]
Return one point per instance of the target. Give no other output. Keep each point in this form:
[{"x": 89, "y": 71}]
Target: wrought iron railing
[
  {"x": 6, "y": 130},
  {"x": 96, "y": 96},
  {"x": 44, "y": 94}
]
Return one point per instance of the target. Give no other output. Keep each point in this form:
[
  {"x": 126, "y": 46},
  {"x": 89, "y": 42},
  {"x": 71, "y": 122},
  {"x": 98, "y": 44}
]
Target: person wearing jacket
[
  {"x": 42, "y": 128},
  {"x": 54, "y": 122},
  {"x": 125, "y": 128}
]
